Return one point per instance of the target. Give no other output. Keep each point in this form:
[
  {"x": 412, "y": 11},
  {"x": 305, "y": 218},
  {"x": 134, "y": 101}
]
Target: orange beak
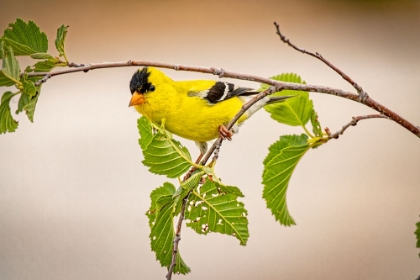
[{"x": 136, "y": 99}]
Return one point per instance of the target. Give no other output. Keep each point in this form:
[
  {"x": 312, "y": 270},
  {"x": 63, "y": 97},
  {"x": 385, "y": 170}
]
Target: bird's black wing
[{"x": 222, "y": 91}]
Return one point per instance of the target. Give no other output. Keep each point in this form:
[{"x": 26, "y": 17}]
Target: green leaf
[
  {"x": 316, "y": 126},
  {"x": 192, "y": 181},
  {"x": 41, "y": 56},
  {"x": 210, "y": 210},
  {"x": 417, "y": 233},
  {"x": 230, "y": 190},
  {"x": 278, "y": 168},
  {"x": 7, "y": 123},
  {"x": 166, "y": 156},
  {"x": 10, "y": 67},
  {"x": 294, "y": 111},
  {"x": 61, "y": 37},
  {"x": 284, "y": 142},
  {"x": 25, "y": 38},
  {"x": 5, "y": 81},
  {"x": 46, "y": 65},
  {"x": 166, "y": 190},
  {"x": 27, "y": 103},
  {"x": 145, "y": 131},
  {"x": 161, "y": 223},
  {"x": 181, "y": 266},
  {"x": 29, "y": 88}
]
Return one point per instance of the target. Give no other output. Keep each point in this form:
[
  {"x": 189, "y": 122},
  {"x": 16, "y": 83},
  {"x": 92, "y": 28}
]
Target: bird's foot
[{"x": 225, "y": 133}]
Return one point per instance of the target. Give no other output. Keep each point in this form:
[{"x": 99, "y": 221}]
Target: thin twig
[
  {"x": 353, "y": 122},
  {"x": 317, "y": 55},
  {"x": 43, "y": 80},
  {"x": 177, "y": 237}
]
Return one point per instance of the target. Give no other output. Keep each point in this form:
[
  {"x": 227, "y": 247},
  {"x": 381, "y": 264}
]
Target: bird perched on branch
[{"x": 197, "y": 110}]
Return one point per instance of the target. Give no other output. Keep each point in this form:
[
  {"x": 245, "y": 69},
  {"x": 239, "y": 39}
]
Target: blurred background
[{"x": 73, "y": 190}]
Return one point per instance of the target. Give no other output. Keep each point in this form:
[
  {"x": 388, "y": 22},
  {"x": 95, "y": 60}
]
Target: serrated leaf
[
  {"x": 161, "y": 223},
  {"x": 27, "y": 103},
  {"x": 5, "y": 81},
  {"x": 61, "y": 37},
  {"x": 29, "y": 88},
  {"x": 166, "y": 190},
  {"x": 230, "y": 190},
  {"x": 284, "y": 142},
  {"x": 25, "y": 38},
  {"x": 41, "y": 56},
  {"x": 192, "y": 181},
  {"x": 46, "y": 65},
  {"x": 316, "y": 125},
  {"x": 10, "y": 66},
  {"x": 213, "y": 211},
  {"x": 181, "y": 266},
  {"x": 145, "y": 131},
  {"x": 7, "y": 123},
  {"x": 279, "y": 165},
  {"x": 166, "y": 156},
  {"x": 294, "y": 111},
  {"x": 23, "y": 101},
  {"x": 417, "y": 233}
]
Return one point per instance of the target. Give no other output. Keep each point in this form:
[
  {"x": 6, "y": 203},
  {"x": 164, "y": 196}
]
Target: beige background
[{"x": 73, "y": 190}]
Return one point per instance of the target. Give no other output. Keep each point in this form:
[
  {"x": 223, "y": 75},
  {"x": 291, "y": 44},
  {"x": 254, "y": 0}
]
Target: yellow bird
[{"x": 197, "y": 110}]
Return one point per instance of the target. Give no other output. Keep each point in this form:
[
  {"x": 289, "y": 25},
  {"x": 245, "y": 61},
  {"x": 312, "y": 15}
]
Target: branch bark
[
  {"x": 353, "y": 122},
  {"x": 320, "y": 57},
  {"x": 177, "y": 237}
]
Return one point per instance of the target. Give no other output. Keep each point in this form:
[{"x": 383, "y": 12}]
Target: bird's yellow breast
[{"x": 190, "y": 117}]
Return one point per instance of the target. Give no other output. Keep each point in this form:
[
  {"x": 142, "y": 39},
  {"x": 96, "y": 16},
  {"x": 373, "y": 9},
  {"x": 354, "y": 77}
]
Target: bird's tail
[{"x": 275, "y": 99}]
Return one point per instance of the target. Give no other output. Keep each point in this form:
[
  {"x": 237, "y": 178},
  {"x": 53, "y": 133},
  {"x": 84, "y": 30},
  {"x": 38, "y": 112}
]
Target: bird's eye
[
  {"x": 152, "y": 88},
  {"x": 138, "y": 89}
]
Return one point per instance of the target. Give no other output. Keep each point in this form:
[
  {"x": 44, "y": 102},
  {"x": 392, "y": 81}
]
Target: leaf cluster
[
  {"x": 211, "y": 205},
  {"x": 284, "y": 154},
  {"x": 25, "y": 39}
]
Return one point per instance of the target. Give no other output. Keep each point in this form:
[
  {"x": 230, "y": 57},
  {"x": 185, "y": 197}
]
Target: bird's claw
[{"x": 225, "y": 133}]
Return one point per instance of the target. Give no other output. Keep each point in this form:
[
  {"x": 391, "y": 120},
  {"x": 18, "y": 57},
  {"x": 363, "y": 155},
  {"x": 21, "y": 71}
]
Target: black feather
[
  {"x": 223, "y": 91},
  {"x": 139, "y": 82}
]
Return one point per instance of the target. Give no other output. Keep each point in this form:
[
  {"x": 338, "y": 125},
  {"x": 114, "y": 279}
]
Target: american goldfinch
[{"x": 197, "y": 110}]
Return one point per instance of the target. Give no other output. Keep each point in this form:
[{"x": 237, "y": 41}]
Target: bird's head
[
  {"x": 140, "y": 85},
  {"x": 144, "y": 82}
]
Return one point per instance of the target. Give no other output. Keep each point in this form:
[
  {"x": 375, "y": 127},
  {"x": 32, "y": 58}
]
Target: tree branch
[
  {"x": 353, "y": 122},
  {"x": 363, "y": 96},
  {"x": 177, "y": 237},
  {"x": 208, "y": 70},
  {"x": 363, "y": 99},
  {"x": 317, "y": 55}
]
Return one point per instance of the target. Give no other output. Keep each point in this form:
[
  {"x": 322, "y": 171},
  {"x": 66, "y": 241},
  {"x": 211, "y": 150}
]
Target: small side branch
[
  {"x": 177, "y": 238},
  {"x": 353, "y": 122},
  {"x": 317, "y": 55}
]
